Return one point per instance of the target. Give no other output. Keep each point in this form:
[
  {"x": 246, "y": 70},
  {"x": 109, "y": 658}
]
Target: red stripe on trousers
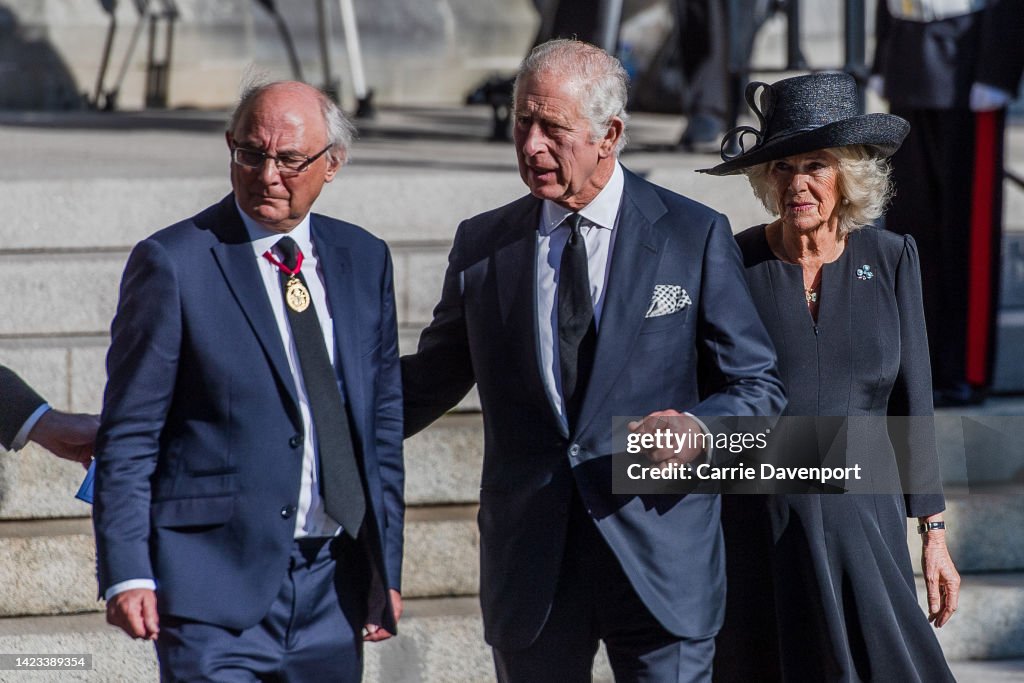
[{"x": 979, "y": 282}]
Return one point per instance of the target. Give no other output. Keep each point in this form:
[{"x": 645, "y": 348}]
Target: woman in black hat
[{"x": 821, "y": 587}]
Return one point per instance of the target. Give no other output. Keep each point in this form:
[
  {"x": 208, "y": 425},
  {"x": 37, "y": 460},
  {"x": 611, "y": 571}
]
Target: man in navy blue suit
[
  {"x": 597, "y": 295},
  {"x": 248, "y": 505}
]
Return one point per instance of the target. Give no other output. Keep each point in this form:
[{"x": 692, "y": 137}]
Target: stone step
[
  {"x": 57, "y": 563},
  {"x": 49, "y": 569},
  {"x": 412, "y": 177},
  {"x": 116, "y": 658},
  {"x": 442, "y": 640},
  {"x": 442, "y": 552},
  {"x": 69, "y": 294},
  {"x": 988, "y": 623},
  {"x": 49, "y": 565},
  {"x": 414, "y": 174},
  {"x": 77, "y": 224},
  {"x": 442, "y": 462},
  {"x": 442, "y": 486},
  {"x": 1000, "y": 671},
  {"x": 985, "y": 531},
  {"x": 980, "y": 446},
  {"x": 74, "y": 290},
  {"x": 439, "y": 641}
]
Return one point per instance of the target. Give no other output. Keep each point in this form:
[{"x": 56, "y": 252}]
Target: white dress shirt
[
  {"x": 310, "y": 518},
  {"x": 598, "y": 228}
]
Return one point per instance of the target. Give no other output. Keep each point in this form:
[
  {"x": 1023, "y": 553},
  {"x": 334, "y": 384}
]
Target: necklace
[{"x": 810, "y": 293}]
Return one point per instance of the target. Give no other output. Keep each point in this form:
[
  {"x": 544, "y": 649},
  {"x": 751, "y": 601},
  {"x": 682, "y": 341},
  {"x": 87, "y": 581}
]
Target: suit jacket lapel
[
  {"x": 237, "y": 262},
  {"x": 336, "y": 268},
  {"x": 515, "y": 263},
  {"x": 636, "y": 254}
]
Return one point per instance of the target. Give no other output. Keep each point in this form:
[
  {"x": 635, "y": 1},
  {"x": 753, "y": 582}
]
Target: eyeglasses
[{"x": 287, "y": 164}]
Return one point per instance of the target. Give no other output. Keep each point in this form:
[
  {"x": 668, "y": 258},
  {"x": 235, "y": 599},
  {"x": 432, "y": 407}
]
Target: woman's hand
[{"x": 940, "y": 576}]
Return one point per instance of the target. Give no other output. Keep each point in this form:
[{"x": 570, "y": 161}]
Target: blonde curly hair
[{"x": 863, "y": 184}]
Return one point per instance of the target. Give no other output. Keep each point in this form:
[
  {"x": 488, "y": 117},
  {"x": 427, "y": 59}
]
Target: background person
[
  {"x": 842, "y": 303},
  {"x": 598, "y": 294},
  {"x": 951, "y": 69},
  {"x": 705, "y": 47},
  {"x": 248, "y": 504}
]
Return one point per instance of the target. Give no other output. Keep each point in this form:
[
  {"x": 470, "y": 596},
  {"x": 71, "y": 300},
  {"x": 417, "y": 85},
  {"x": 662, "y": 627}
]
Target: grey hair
[
  {"x": 863, "y": 186},
  {"x": 597, "y": 79},
  {"x": 340, "y": 131}
]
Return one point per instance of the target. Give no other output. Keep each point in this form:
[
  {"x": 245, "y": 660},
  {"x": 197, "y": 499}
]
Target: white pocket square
[{"x": 666, "y": 300}]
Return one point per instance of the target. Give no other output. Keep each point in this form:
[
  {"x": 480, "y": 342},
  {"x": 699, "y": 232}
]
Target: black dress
[{"x": 821, "y": 586}]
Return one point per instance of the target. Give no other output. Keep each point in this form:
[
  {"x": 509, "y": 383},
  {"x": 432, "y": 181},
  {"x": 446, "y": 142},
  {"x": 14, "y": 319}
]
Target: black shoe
[
  {"x": 703, "y": 134},
  {"x": 959, "y": 396}
]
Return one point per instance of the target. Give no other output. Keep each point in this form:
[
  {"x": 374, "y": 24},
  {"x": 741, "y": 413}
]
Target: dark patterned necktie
[
  {"x": 344, "y": 500},
  {"x": 577, "y": 333}
]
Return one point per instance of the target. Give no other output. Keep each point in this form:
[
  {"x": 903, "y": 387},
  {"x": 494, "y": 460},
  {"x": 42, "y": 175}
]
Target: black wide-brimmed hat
[{"x": 803, "y": 114}]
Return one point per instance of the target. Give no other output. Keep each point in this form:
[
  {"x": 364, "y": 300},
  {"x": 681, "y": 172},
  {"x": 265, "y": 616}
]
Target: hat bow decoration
[{"x": 733, "y": 139}]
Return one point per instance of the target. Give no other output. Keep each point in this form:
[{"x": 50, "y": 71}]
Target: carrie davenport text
[{"x": 766, "y": 471}]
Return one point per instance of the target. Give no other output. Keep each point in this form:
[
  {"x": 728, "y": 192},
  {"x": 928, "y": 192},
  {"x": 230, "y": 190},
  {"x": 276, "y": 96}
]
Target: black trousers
[
  {"x": 702, "y": 28},
  {"x": 948, "y": 177},
  {"x": 595, "y": 602}
]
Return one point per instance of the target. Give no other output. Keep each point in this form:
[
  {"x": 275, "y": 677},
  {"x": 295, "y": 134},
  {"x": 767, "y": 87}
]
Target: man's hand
[
  {"x": 940, "y": 577},
  {"x": 67, "y": 435},
  {"x": 134, "y": 612},
  {"x": 374, "y": 632},
  {"x": 674, "y": 435}
]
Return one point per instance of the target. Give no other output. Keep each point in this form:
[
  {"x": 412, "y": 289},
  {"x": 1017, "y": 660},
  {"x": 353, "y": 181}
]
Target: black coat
[
  {"x": 932, "y": 65},
  {"x": 17, "y": 403},
  {"x": 837, "y": 600}
]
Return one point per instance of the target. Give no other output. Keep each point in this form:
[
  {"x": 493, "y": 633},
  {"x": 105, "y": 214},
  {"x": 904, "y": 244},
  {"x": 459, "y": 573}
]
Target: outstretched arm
[
  {"x": 71, "y": 436},
  {"x": 27, "y": 417}
]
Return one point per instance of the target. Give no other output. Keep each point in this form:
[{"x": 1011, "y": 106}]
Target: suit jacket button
[
  {"x": 295, "y": 441},
  {"x": 287, "y": 511},
  {"x": 574, "y": 450}
]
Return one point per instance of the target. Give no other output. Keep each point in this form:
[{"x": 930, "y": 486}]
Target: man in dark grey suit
[
  {"x": 597, "y": 295},
  {"x": 26, "y": 416}
]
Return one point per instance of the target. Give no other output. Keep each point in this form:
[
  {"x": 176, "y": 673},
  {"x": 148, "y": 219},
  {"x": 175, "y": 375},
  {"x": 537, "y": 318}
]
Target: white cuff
[
  {"x": 123, "y": 586},
  {"x": 21, "y": 438}
]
